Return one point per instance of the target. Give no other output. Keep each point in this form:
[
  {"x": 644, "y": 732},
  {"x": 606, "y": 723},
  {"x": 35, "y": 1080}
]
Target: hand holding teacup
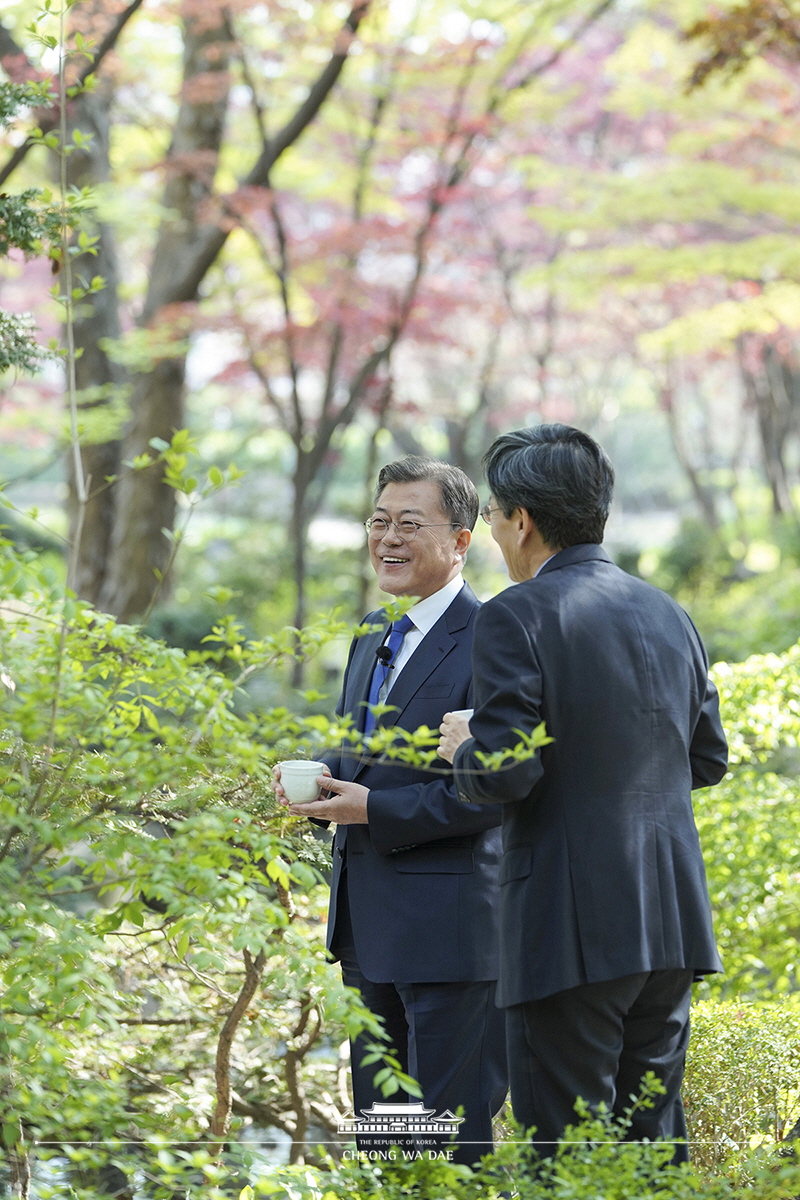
[
  {"x": 297, "y": 781},
  {"x": 299, "y": 786},
  {"x": 454, "y": 730}
]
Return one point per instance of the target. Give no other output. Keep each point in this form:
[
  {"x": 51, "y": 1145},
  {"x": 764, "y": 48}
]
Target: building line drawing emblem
[{"x": 407, "y": 1119}]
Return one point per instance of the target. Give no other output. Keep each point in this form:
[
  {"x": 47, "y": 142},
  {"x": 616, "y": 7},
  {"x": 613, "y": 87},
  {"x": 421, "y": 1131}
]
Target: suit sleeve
[
  {"x": 402, "y": 817},
  {"x": 708, "y": 752},
  {"x": 427, "y": 811},
  {"x": 416, "y": 813},
  {"x": 508, "y": 698}
]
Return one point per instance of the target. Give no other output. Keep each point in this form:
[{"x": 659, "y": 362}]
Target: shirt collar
[{"x": 428, "y": 611}]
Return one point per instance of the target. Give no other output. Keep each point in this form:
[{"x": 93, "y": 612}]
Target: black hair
[
  {"x": 559, "y": 475},
  {"x": 459, "y": 495}
]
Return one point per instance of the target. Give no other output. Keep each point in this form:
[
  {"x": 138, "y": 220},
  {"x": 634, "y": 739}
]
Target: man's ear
[
  {"x": 531, "y": 539},
  {"x": 525, "y": 524},
  {"x": 463, "y": 539}
]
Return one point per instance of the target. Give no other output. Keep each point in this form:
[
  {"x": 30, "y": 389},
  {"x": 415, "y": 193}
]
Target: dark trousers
[
  {"x": 597, "y": 1041},
  {"x": 450, "y": 1037}
]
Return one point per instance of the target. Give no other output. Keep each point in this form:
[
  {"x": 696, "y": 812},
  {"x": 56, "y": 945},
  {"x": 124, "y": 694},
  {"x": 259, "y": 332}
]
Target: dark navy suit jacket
[
  {"x": 422, "y": 875},
  {"x": 602, "y": 873}
]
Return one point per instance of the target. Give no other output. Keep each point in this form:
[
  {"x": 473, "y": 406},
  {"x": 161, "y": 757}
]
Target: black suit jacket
[
  {"x": 602, "y": 874},
  {"x": 422, "y": 875}
]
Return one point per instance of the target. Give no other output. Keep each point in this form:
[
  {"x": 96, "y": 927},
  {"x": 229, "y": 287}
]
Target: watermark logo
[{"x": 411, "y": 1120}]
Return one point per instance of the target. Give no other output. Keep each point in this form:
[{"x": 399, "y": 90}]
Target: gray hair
[{"x": 459, "y": 495}]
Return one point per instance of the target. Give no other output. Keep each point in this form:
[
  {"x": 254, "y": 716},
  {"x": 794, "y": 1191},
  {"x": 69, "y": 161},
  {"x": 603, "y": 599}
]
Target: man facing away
[
  {"x": 605, "y": 918},
  {"x": 413, "y": 911}
]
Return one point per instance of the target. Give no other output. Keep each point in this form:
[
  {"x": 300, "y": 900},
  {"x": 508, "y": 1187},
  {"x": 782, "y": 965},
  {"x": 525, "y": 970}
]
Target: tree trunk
[
  {"x": 144, "y": 504},
  {"x": 127, "y": 535},
  {"x": 704, "y": 497},
  {"x": 99, "y": 380},
  {"x": 298, "y": 533},
  {"x": 771, "y": 391}
]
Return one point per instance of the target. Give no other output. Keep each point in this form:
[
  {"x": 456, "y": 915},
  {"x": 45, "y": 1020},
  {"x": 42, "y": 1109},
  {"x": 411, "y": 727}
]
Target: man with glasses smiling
[{"x": 414, "y": 889}]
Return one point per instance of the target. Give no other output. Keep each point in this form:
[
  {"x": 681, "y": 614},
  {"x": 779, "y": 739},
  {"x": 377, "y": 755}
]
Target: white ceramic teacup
[{"x": 299, "y": 780}]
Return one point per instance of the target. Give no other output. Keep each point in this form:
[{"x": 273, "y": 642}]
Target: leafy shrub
[
  {"x": 748, "y": 827},
  {"x": 149, "y": 884},
  {"x": 748, "y": 616},
  {"x": 593, "y": 1163},
  {"x": 742, "y": 1085}
]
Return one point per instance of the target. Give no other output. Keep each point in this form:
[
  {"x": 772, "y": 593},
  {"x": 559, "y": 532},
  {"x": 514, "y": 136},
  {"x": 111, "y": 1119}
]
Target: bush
[
  {"x": 748, "y": 828},
  {"x": 149, "y": 884},
  {"x": 742, "y": 1085},
  {"x": 592, "y": 1163},
  {"x": 749, "y": 616}
]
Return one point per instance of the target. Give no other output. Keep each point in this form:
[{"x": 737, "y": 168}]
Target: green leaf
[
  {"x": 276, "y": 869},
  {"x": 11, "y": 1134}
]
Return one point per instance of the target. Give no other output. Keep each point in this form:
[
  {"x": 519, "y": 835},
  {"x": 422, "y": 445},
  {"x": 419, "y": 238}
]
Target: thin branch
[
  {"x": 50, "y": 118},
  {"x": 292, "y": 1062},
  {"x": 382, "y": 99},
  {"x": 159, "y": 1021},
  {"x": 503, "y": 90},
  {"x": 288, "y": 337},
  {"x": 279, "y": 271},
  {"x": 110, "y": 40},
  {"x": 318, "y": 93},
  {"x": 258, "y": 108},
  {"x": 456, "y": 171}
]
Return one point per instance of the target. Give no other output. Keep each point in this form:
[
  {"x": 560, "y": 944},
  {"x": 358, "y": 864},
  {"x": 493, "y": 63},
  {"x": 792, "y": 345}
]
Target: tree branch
[
  {"x": 259, "y": 175},
  {"x": 254, "y": 969},
  {"x": 590, "y": 19},
  {"x": 50, "y": 117},
  {"x": 184, "y": 288}
]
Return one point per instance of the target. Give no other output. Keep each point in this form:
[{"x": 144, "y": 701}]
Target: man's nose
[{"x": 392, "y": 535}]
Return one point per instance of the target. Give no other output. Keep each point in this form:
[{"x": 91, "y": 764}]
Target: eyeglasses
[
  {"x": 378, "y": 527},
  {"x": 486, "y": 513}
]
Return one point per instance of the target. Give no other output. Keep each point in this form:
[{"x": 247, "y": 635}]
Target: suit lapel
[
  {"x": 358, "y": 689},
  {"x": 433, "y": 648}
]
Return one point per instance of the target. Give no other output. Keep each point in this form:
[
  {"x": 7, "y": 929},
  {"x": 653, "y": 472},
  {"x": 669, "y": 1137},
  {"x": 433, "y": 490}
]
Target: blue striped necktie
[{"x": 397, "y": 632}]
